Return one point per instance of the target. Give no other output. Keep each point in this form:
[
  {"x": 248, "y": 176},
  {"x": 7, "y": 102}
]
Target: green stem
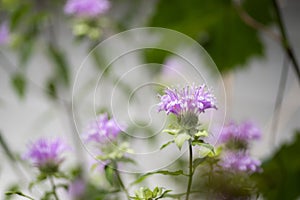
[
  {"x": 53, "y": 187},
  {"x": 121, "y": 183},
  {"x": 191, "y": 173}
]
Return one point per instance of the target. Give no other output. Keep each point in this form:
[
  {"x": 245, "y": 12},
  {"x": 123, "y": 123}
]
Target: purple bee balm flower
[
  {"x": 46, "y": 154},
  {"x": 240, "y": 162},
  {"x": 102, "y": 129},
  {"x": 190, "y": 99},
  {"x": 244, "y": 132},
  {"x": 4, "y": 33},
  {"x": 86, "y": 8}
]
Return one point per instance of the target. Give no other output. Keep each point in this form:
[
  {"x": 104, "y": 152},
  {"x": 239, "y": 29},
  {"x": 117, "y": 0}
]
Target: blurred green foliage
[
  {"x": 281, "y": 173},
  {"x": 217, "y": 25}
]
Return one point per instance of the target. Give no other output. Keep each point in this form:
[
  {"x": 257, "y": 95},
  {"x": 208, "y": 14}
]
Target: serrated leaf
[
  {"x": 162, "y": 172},
  {"x": 19, "y": 84},
  {"x": 166, "y": 144},
  {"x": 181, "y": 138}
]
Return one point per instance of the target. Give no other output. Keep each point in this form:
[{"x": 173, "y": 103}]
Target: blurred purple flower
[
  {"x": 245, "y": 131},
  {"x": 45, "y": 153},
  {"x": 190, "y": 99},
  {"x": 171, "y": 68},
  {"x": 86, "y": 8},
  {"x": 102, "y": 129},
  {"x": 4, "y": 33},
  {"x": 77, "y": 189},
  {"x": 240, "y": 161}
]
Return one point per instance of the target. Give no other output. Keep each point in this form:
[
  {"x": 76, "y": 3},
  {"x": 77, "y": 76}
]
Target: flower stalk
[{"x": 191, "y": 172}]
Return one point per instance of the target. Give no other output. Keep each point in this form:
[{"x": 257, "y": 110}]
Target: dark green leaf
[
  {"x": 60, "y": 63},
  {"x": 51, "y": 89},
  {"x": 281, "y": 173},
  {"x": 217, "y": 26},
  {"x": 109, "y": 174},
  {"x": 19, "y": 84},
  {"x": 18, "y": 193}
]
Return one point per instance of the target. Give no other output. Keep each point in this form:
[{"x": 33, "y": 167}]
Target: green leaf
[
  {"x": 197, "y": 162},
  {"x": 181, "y": 138},
  {"x": 18, "y": 193},
  {"x": 109, "y": 174},
  {"x": 281, "y": 172},
  {"x": 261, "y": 10},
  {"x": 202, "y": 133},
  {"x": 60, "y": 63},
  {"x": 19, "y": 84},
  {"x": 166, "y": 144},
  {"x": 171, "y": 131},
  {"x": 217, "y": 26},
  {"x": 163, "y": 172},
  {"x": 51, "y": 89}
]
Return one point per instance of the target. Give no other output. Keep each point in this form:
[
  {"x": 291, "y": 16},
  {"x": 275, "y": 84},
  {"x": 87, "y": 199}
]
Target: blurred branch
[
  {"x": 282, "y": 38},
  {"x": 285, "y": 41},
  {"x": 279, "y": 99},
  {"x": 250, "y": 21}
]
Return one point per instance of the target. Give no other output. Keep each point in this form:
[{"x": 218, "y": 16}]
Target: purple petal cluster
[
  {"x": 240, "y": 161},
  {"x": 46, "y": 152},
  {"x": 102, "y": 129},
  {"x": 4, "y": 33},
  {"x": 245, "y": 131},
  {"x": 190, "y": 99},
  {"x": 86, "y": 8}
]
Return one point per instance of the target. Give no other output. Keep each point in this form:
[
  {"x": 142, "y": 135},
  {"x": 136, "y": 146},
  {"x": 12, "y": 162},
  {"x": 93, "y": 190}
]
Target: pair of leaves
[{"x": 145, "y": 193}]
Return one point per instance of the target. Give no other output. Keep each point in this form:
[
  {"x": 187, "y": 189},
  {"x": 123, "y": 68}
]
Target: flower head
[
  {"x": 243, "y": 132},
  {"x": 46, "y": 154},
  {"x": 240, "y": 161},
  {"x": 190, "y": 99},
  {"x": 86, "y": 8},
  {"x": 102, "y": 129},
  {"x": 4, "y": 33}
]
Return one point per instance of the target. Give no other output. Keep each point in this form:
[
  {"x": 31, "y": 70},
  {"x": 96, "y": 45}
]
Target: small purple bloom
[
  {"x": 4, "y": 33},
  {"x": 240, "y": 161},
  {"x": 45, "y": 153},
  {"x": 86, "y": 8},
  {"x": 190, "y": 99},
  {"x": 102, "y": 129},
  {"x": 244, "y": 132},
  {"x": 77, "y": 189}
]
